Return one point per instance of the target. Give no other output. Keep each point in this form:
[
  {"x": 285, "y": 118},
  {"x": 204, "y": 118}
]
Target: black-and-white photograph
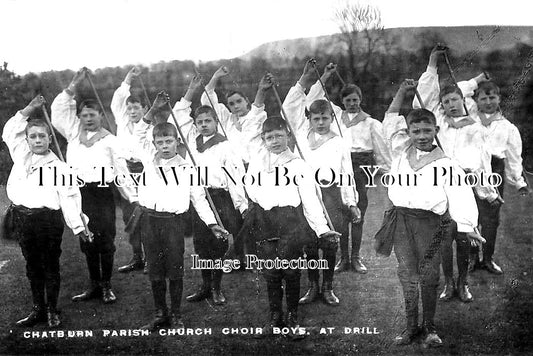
[{"x": 303, "y": 177}]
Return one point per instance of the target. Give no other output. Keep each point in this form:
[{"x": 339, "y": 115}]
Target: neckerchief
[
  {"x": 201, "y": 146},
  {"x": 41, "y": 161},
  {"x": 315, "y": 143},
  {"x": 361, "y": 116},
  {"x": 487, "y": 120},
  {"x": 100, "y": 134},
  {"x": 175, "y": 161},
  {"x": 465, "y": 121},
  {"x": 271, "y": 160},
  {"x": 417, "y": 164}
]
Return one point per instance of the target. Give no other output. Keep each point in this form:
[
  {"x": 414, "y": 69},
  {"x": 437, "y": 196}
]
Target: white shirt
[
  {"x": 31, "y": 181},
  {"x": 447, "y": 194},
  {"x": 234, "y": 126},
  {"x": 332, "y": 156},
  {"x": 88, "y": 162}
]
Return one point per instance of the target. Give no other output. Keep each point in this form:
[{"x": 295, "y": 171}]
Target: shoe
[
  {"x": 448, "y": 291},
  {"x": 311, "y": 293},
  {"x": 276, "y": 321},
  {"x": 36, "y": 315},
  {"x": 53, "y": 318},
  {"x": 358, "y": 266},
  {"x": 431, "y": 339},
  {"x": 135, "y": 263},
  {"x": 327, "y": 294},
  {"x": 145, "y": 269},
  {"x": 198, "y": 296},
  {"x": 176, "y": 322},
  {"x": 107, "y": 294},
  {"x": 292, "y": 322},
  {"x": 342, "y": 265},
  {"x": 464, "y": 292},
  {"x": 218, "y": 297},
  {"x": 161, "y": 319},
  {"x": 473, "y": 262},
  {"x": 492, "y": 267},
  {"x": 407, "y": 336},
  {"x": 93, "y": 292}
]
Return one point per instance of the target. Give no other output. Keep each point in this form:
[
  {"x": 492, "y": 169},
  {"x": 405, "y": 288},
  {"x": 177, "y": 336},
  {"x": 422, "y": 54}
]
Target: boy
[
  {"x": 94, "y": 154},
  {"x": 327, "y": 153},
  {"x": 462, "y": 139},
  {"x": 420, "y": 216},
  {"x": 128, "y": 110},
  {"x": 212, "y": 150},
  {"x": 281, "y": 214},
  {"x": 163, "y": 201},
  {"x": 505, "y": 146},
  {"x": 36, "y": 208},
  {"x": 364, "y": 136}
]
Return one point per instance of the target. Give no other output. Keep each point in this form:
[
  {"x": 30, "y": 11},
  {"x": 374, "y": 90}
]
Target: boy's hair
[
  {"x": 133, "y": 99},
  {"x": 420, "y": 115},
  {"x": 39, "y": 123},
  {"x": 274, "y": 123},
  {"x": 204, "y": 109},
  {"x": 318, "y": 107},
  {"x": 350, "y": 89},
  {"x": 487, "y": 88},
  {"x": 450, "y": 89},
  {"x": 165, "y": 129},
  {"x": 89, "y": 104},
  {"x": 233, "y": 92}
]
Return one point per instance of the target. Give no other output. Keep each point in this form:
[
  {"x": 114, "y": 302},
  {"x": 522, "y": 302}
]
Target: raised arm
[
  {"x": 63, "y": 108},
  {"x": 182, "y": 109},
  {"x": 428, "y": 83},
  {"x": 317, "y": 92},
  {"x": 295, "y": 101},
  {"x": 221, "y": 109},
  {"x": 118, "y": 103},
  {"x": 14, "y": 134}
]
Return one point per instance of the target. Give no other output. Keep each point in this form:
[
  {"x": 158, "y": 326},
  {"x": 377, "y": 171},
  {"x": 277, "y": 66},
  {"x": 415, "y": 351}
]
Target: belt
[{"x": 31, "y": 211}]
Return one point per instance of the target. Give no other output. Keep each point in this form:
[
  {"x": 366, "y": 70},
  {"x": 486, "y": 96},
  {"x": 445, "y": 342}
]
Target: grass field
[{"x": 499, "y": 321}]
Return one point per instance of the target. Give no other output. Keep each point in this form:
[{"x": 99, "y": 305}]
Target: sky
[{"x": 41, "y": 35}]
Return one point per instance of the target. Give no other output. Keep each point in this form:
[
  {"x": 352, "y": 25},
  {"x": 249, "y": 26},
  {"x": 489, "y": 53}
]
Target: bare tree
[{"x": 360, "y": 23}]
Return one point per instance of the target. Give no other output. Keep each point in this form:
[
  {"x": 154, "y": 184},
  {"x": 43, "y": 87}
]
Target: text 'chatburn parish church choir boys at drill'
[{"x": 446, "y": 129}]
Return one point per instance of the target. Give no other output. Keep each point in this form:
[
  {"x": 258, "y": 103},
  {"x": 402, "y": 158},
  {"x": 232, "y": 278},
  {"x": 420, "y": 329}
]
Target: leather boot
[
  {"x": 357, "y": 265},
  {"x": 36, "y": 315},
  {"x": 107, "y": 293},
  {"x": 53, "y": 317},
  {"x": 343, "y": 265},
  {"x": 136, "y": 263},
  {"x": 176, "y": 322},
  {"x": 292, "y": 322},
  {"x": 431, "y": 338},
  {"x": 492, "y": 267},
  {"x": 216, "y": 292},
  {"x": 159, "y": 291},
  {"x": 464, "y": 291},
  {"x": 448, "y": 291},
  {"x": 204, "y": 291},
  {"x": 410, "y": 333},
  {"x": 160, "y": 320},
  {"x": 327, "y": 294},
  {"x": 276, "y": 320},
  {"x": 311, "y": 294},
  {"x": 94, "y": 291}
]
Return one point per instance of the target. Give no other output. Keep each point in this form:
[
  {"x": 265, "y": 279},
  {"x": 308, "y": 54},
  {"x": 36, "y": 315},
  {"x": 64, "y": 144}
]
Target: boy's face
[
  {"x": 321, "y": 122},
  {"x": 453, "y": 105},
  {"x": 38, "y": 139},
  {"x": 90, "y": 119},
  {"x": 422, "y": 135},
  {"x": 276, "y": 141},
  {"x": 135, "y": 111},
  {"x": 206, "y": 124},
  {"x": 238, "y": 105},
  {"x": 167, "y": 146},
  {"x": 488, "y": 103},
  {"x": 352, "y": 103}
]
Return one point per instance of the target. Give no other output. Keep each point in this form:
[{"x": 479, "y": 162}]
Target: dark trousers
[
  {"x": 358, "y": 159},
  {"x": 412, "y": 242},
  {"x": 206, "y": 245},
  {"x": 40, "y": 242},
  {"x": 135, "y": 236},
  {"x": 340, "y": 217},
  {"x": 489, "y": 216},
  {"x": 462, "y": 248},
  {"x": 99, "y": 205}
]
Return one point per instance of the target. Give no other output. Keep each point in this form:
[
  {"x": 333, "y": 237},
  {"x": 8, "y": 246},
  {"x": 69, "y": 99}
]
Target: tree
[{"x": 360, "y": 23}]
